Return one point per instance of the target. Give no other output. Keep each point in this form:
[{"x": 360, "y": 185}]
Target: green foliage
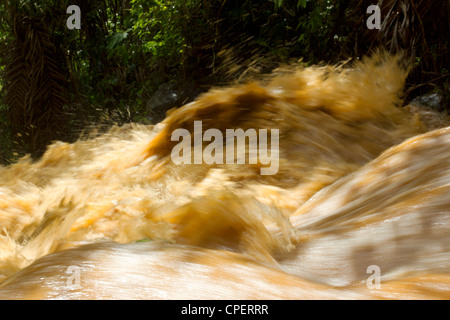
[
  {"x": 158, "y": 26},
  {"x": 300, "y": 3}
]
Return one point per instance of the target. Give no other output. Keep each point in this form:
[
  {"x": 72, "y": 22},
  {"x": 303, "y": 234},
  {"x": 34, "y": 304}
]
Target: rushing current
[{"x": 358, "y": 206}]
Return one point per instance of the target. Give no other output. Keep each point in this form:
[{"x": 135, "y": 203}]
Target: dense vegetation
[{"x": 57, "y": 82}]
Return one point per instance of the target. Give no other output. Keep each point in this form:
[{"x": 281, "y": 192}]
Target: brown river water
[{"x": 358, "y": 206}]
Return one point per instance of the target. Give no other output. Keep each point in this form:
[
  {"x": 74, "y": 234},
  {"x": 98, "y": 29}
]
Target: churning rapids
[{"x": 362, "y": 183}]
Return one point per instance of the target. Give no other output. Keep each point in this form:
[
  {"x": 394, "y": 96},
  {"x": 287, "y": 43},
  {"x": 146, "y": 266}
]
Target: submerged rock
[
  {"x": 433, "y": 101},
  {"x": 171, "y": 95}
]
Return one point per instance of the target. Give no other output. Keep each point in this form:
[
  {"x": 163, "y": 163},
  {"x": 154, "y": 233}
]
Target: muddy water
[{"x": 358, "y": 208}]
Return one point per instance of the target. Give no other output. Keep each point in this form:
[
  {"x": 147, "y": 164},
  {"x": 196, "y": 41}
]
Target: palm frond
[{"x": 35, "y": 83}]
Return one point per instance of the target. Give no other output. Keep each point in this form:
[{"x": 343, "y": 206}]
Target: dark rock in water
[
  {"x": 434, "y": 101},
  {"x": 166, "y": 95},
  {"x": 171, "y": 95}
]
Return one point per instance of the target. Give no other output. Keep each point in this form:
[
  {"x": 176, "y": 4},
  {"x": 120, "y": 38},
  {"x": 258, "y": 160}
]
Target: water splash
[{"x": 361, "y": 181}]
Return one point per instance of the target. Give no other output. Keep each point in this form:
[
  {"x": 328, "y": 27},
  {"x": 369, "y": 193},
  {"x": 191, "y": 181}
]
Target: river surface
[{"x": 356, "y": 205}]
